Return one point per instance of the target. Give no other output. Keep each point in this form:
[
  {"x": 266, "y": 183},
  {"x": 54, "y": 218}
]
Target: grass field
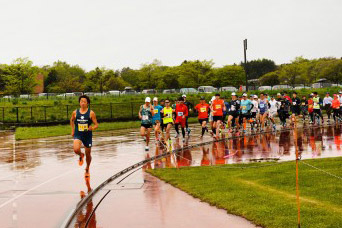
[
  {"x": 267, "y": 195},
  {"x": 22, "y": 133}
]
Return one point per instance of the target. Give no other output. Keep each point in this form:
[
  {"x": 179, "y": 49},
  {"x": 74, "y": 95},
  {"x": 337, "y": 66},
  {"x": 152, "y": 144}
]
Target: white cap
[
  {"x": 183, "y": 95},
  {"x": 255, "y": 96},
  {"x": 244, "y": 95},
  {"x": 278, "y": 94},
  {"x": 340, "y": 92},
  {"x": 233, "y": 94},
  {"x": 147, "y": 99},
  {"x": 155, "y": 99}
]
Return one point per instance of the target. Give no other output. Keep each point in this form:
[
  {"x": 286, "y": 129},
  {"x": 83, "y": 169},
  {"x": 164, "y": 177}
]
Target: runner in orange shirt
[
  {"x": 203, "y": 108},
  {"x": 217, "y": 107},
  {"x": 336, "y": 108}
]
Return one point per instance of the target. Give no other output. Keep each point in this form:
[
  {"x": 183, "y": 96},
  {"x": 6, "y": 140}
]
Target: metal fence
[{"x": 37, "y": 115}]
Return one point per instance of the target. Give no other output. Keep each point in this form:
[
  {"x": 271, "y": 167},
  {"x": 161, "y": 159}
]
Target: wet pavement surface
[{"x": 41, "y": 182}]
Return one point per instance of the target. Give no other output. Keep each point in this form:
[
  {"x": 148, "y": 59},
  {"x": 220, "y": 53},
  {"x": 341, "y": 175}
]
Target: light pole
[{"x": 244, "y": 52}]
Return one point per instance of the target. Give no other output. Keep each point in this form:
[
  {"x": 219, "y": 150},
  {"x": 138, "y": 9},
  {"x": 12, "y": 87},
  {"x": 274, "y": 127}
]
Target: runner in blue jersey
[
  {"x": 156, "y": 119},
  {"x": 246, "y": 107},
  {"x": 81, "y": 130}
]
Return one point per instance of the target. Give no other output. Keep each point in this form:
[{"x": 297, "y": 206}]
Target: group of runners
[
  {"x": 236, "y": 113},
  {"x": 233, "y": 114}
]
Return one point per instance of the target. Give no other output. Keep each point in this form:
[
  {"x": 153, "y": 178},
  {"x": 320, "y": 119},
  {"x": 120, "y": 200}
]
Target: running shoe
[
  {"x": 81, "y": 160},
  {"x": 147, "y": 148},
  {"x": 183, "y": 139},
  {"x": 177, "y": 135},
  {"x": 274, "y": 127}
]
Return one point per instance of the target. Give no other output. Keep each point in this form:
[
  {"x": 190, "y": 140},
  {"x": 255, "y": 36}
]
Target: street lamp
[{"x": 244, "y": 52}]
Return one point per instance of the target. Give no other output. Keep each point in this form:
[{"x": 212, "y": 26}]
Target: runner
[
  {"x": 145, "y": 114},
  {"x": 272, "y": 111},
  {"x": 304, "y": 108},
  {"x": 317, "y": 106},
  {"x": 327, "y": 105},
  {"x": 217, "y": 108},
  {"x": 211, "y": 121},
  {"x": 246, "y": 107},
  {"x": 336, "y": 108},
  {"x": 255, "y": 112},
  {"x": 167, "y": 119},
  {"x": 203, "y": 108},
  {"x": 82, "y": 131},
  {"x": 162, "y": 103},
  {"x": 190, "y": 107},
  {"x": 263, "y": 106},
  {"x": 310, "y": 108},
  {"x": 156, "y": 119},
  {"x": 233, "y": 112},
  {"x": 283, "y": 111},
  {"x": 181, "y": 114},
  {"x": 295, "y": 108}
]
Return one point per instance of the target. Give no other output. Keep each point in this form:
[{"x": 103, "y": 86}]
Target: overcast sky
[{"x": 119, "y": 33}]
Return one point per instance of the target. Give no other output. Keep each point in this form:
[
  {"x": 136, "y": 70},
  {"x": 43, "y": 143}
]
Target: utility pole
[{"x": 244, "y": 51}]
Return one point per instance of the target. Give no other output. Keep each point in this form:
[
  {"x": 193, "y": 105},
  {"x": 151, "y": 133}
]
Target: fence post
[
  {"x": 45, "y": 113},
  {"x": 67, "y": 113},
  {"x": 111, "y": 111},
  {"x": 17, "y": 114}
]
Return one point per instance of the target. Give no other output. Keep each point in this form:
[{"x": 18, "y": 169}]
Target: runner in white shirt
[
  {"x": 272, "y": 111},
  {"x": 254, "y": 111}
]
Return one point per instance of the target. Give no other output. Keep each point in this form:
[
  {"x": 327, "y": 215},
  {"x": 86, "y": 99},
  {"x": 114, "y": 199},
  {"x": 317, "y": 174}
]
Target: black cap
[{"x": 217, "y": 94}]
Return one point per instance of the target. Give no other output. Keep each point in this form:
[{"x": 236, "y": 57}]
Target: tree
[
  {"x": 270, "y": 79},
  {"x": 257, "y": 68},
  {"x": 228, "y": 76},
  {"x": 195, "y": 73},
  {"x": 20, "y": 76},
  {"x": 333, "y": 71}
]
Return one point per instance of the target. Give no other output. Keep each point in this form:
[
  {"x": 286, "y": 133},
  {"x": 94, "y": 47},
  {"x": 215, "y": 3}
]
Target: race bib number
[
  {"x": 244, "y": 107},
  {"x": 145, "y": 117},
  {"x": 303, "y": 103},
  {"x": 218, "y": 106},
  {"x": 82, "y": 127},
  {"x": 180, "y": 113},
  {"x": 262, "y": 105},
  {"x": 294, "y": 103},
  {"x": 232, "y": 108},
  {"x": 156, "y": 111},
  {"x": 203, "y": 109},
  {"x": 168, "y": 115}
]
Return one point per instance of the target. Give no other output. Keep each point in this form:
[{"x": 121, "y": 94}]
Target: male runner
[
  {"x": 217, "y": 108},
  {"x": 295, "y": 107},
  {"x": 156, "y": 119},
  {"x": 254, "y": 112},
  {"x": 317, "y": 105},
  {"x": 203, "y": 108},
  {"x": 336, "y": 108},
  {"x": 181, "y": 114},
  {"x": 246, "y": 107},
  {"x": 283, "y": 111},
  {"x": 327, "y": 105},
  {"x": 233, "y": 112},
  {"x": 145, "y": 114},
  {"x": 310, "y": 108},
  {"x": 304, "y": 108},
  {"x": 82, "y": 131},
  {"x": 189, "y": 106},
  {"x": 272, "y": 111}
]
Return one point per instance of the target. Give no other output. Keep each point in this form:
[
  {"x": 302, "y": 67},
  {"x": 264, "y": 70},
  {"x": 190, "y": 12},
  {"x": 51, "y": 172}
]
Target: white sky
[{"x": 119, "y": 33}]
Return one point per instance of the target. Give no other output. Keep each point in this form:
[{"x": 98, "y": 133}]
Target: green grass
[
  {"x": 22, "y": 133},
  {"x": 267, "y": 195}
]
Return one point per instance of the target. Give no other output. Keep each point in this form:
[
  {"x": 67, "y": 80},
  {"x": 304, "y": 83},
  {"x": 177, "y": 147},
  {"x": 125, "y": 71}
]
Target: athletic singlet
[
  {"x": 273, "y": 104},
  {"x": 82, "y": 123},
  {"x": 156, "y": 111},
  {"x": 316, "y": 103},
  {"x": 263, "y": 106},
  {"x": 146, "y": 115},
  {"x": 167, "y": 115}
]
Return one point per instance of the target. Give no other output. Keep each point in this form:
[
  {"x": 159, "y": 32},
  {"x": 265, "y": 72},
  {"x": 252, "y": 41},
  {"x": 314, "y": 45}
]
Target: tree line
[{"x": 19, "y": 77}]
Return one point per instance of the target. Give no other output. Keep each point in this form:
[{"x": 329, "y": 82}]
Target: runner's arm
[
  {"x": 152, "y": 110},
  {"x": 93, "y": 118},
  {"x": 72, "y": 125},
  {"x": 140, "y": 112}
]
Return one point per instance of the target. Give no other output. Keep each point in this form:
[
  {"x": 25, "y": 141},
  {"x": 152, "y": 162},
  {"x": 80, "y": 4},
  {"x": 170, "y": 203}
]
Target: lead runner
[{"x": 82, "y": 131}]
